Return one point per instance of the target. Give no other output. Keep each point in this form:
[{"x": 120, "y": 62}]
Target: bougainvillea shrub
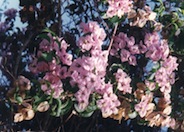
[{"x": 126, "y": 70}]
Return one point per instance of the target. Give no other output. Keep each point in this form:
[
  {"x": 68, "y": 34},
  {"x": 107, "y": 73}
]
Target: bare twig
[
  {"x": 62, "y": 124},
  {"x": 59, "y": 129},
  {"x": 112, "y": 39},
  {"x": 20, "y": 54},
  {"x": 5, "y": 69},
  {"x": 59, "y": 17},
  {"x": 69, "y": 117},
  {"x": 122, "y": 97}
]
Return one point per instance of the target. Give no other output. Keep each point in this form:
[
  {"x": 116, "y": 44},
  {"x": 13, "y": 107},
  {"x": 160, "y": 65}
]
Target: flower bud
[
  {"x": 152, "y": 16},
  {"x": 43, "y": 106},
  {"x": 132, "y": 115},
  {"x": 167, "y": 110}
]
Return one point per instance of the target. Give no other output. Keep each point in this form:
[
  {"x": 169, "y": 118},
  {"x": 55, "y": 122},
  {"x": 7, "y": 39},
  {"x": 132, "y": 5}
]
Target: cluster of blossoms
[
  {"x": 55, "y": 69},
  {"x": 158, "y": 113},
  {"x": 17, "y": 95},
  {"x": 123, "y": 81},
  {"x": 119, "y": 7},
  {"x": 165, "y": 65},
  {"x": 126, "y": 49},
  {"x": 159, "y": 76},
  {"x": 94, "y": 40},
  {"x": 88, "y": 72},
  {"x": 156, "y": 49}
]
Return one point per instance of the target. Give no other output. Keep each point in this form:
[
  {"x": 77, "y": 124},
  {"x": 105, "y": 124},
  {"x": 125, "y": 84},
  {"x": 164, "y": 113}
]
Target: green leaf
[
  {"x": 58, "y": 110},
  {"x": 115, "y": 67},
  {"x": 67, "y": 106},
  {"x": 86, "y": 113},
  {"x": 91, "y": 108},
  {"x": 44, "y": 36},
  {"x": 142, "y": 122},
  {"x": 180, "y": 23},
  {"x": 48, "y": 56},
  {"x": 116, "y": 19},
  {"x": 47, "y": 30},
  {"x": 77, "y": 108},
  {"x": 38, "y": 99},
  {"x": 19, "y": 99},
  {"x": 175, "y": 26}
]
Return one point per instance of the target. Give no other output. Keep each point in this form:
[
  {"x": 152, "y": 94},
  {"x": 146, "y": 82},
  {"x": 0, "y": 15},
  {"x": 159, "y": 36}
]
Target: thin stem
[
  {"x": 128, "y": 100},
  {"x": 59, "y": 18},
  {"x": 69, "y": 117},
  {"x": 62, "y": 125},
  {"x": 113, "y": 35},
  {"x": 7, "y": 71},
  {"x": 20, "y": 54}
]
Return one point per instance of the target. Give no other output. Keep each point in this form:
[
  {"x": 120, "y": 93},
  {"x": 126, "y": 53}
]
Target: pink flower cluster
[
  {"x": 119, "y": 7},
  {"x": 165, "y": 76},
  {"x": 47, "y": 47},
  {"x": 52, "y": 85},
  {"x": 108, "y": 104},
  {"x": 123, "y": 81},
  {"x": 156, "y": 49},
  {"x": 157, "y": 113},
  {"x": 59, "y": 47},
  {"x": 87, "y": 72},
  {"x": 55, "y": 69},
  {"x": 95, "y": 38},
  {"x": 145, "y": 107},
  {"x": 125, "y": 48}
]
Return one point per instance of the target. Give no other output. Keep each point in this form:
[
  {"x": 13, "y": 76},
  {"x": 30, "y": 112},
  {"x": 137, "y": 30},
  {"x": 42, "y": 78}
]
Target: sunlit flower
[
  {"x": 123, "y": 81},
  {"x": 119, "y": 7},
  {"x": 108, "y": 104},
  {"x": 43, "y": 106},
  {"x": 145, "y": 106}
]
